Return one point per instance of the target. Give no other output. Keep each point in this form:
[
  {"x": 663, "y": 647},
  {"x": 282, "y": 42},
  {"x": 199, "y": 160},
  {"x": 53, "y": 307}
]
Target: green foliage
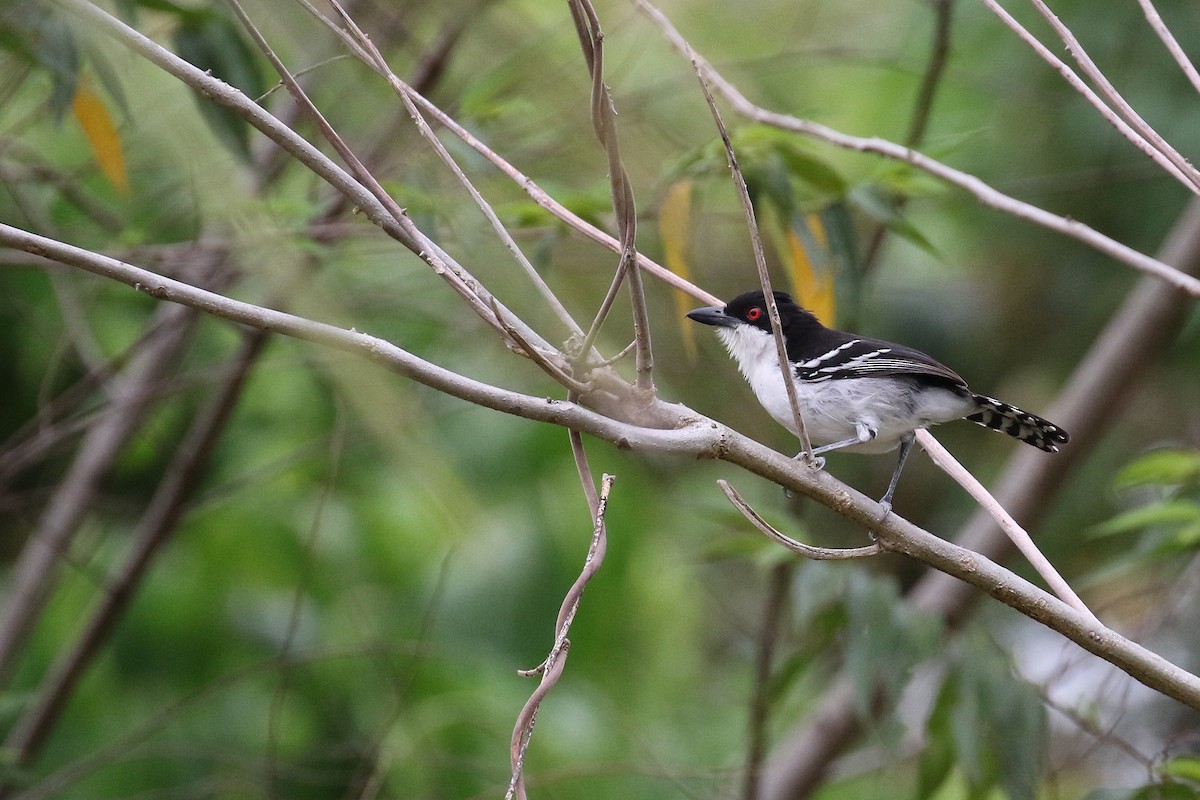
[
  {"x": 986, "y": 725},
  {"x": 363, "y": 563},
  {"x": 213, "y": 42},
  {"x": 1169, "y": 483}
]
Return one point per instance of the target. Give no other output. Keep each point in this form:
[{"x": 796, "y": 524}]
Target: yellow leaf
[
  {"x": 98, "y": 126},
  {"x": 674, "y": 225},
  {"x": 812, "y": 279}
]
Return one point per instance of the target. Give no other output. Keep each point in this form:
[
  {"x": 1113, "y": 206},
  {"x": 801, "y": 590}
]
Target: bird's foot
[{"x": 816, "y": 462}]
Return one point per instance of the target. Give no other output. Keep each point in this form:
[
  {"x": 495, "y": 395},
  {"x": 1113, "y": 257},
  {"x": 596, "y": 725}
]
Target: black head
[{"x": 751, "y": 308}]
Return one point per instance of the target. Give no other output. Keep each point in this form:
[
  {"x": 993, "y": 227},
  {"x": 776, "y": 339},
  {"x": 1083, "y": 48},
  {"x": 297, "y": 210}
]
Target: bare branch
[
  {"x": 982, "y": 192},
  {"x": 1169, "y": 41},
  {"x": 941, "y": 456},
  {"x": 685, "y": 433},
  {"x": 604, "y": 121}
]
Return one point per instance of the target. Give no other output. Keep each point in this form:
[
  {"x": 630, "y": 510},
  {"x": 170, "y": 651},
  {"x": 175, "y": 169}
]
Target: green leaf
[
  {"x": 1162, "y": 467},
  {"x": 1165, "y": 791},
  {"x": 1021, "y": 734},
  {"x": 886, "y": 637},
  {"x": 879, "y": 205},
  {"x": 58, "y": 51},
  {"x": 1167, "y": 512},
  {"x": 937, "y": 759},
  {"x": 814, "y": 171},
  {"x": 1185, "y": 539},
  {"x": 1186, "y": 767},
  {"x": 214, "y": 43}
]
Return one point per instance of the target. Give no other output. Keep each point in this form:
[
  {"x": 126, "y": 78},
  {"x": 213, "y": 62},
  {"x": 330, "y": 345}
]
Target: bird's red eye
[{"x": 754, "y": 314}]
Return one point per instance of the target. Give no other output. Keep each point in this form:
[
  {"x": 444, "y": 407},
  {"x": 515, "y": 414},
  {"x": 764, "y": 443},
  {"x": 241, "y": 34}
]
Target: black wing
[{"x": 860, "y": 357}]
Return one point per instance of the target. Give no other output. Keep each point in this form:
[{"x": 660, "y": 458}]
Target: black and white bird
[{"x": 857, "y": 394}]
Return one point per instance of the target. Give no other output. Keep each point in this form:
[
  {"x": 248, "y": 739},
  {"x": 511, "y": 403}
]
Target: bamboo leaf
[
  {"x": 102, "y": 135},
  {"x": 674, "y": 227}
]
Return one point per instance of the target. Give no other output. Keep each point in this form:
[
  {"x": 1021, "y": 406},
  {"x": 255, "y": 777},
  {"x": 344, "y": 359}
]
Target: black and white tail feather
[
  {"x": 858, "y": 394},
  {"x": 1017, "y": 423}
]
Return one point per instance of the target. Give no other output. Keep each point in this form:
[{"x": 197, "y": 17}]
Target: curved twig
[
  {"x": 806, "y": 550},
  {"x": 552, "y": 667},
  {"x": 604, "y": 121}
]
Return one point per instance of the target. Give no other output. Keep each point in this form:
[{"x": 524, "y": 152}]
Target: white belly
[{"x": 834, "y": 410}]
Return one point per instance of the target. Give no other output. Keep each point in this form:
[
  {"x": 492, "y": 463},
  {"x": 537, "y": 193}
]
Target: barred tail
[{"x": 1019, "y": 424}]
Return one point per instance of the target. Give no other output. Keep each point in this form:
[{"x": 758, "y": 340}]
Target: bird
[{"x": 855, "y": 393}]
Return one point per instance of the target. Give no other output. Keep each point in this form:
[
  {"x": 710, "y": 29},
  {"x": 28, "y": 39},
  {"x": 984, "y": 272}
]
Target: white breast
[{"x": 834, "y": 409}]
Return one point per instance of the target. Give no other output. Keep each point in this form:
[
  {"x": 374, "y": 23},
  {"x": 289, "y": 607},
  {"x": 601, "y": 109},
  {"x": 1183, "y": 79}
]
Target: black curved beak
[{"x": 713, "y": 315}]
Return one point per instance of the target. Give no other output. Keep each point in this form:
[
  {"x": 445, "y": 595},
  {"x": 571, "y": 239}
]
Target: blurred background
[{"x": 337, "y": 602}]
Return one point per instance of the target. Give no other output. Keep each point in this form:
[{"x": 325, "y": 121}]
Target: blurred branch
[
  {"x": 931, "y": 80},
  {"x": 774, "y": 610},
  {"x": 935, "y": 68},
  {"x": 132, "y": 394},
  {"x": 27, "y": 736},
  {"x": 982, "y": 192},
  {"x": 684, "y": 432},
  {"x": 551, "y": 669},
  {"x": 1134, "y": 339}
]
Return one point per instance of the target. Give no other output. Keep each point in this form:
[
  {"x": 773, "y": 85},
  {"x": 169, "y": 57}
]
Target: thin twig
[
  {"x": 806, "y": 550},
  {"x": 536, "y": 356},
  {"x": 583, "y": 468},
  {"x": 557, "y": 209},
  {"x": 941, "y": 456},
  {"x": 552, "y": 667},
  {"x": 760, "y": 262},
  {"x": 1169, "y": 41},
  {"x": 931, "y": 81},
  {"x": 370, "y": 53}
]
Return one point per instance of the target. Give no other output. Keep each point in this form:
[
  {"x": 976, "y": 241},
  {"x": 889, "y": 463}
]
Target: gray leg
[
  {"x": 905, "y": 445},
  {"x": 865, "y": 434}
]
